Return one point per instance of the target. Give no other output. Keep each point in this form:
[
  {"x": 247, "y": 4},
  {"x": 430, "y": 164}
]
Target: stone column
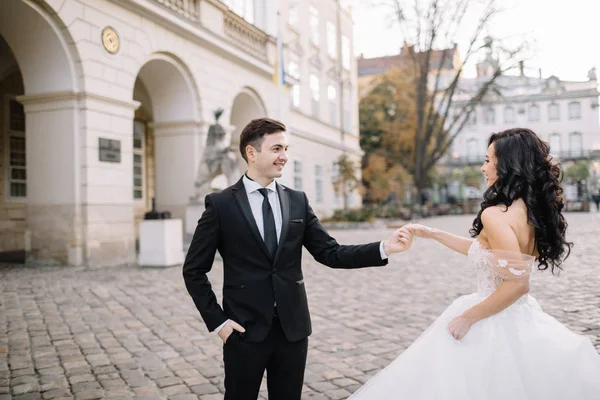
[
  {"x": 53, "y": 206},
  {"x": 178, "y": 150},
  {"x": 107, "y": 181}
]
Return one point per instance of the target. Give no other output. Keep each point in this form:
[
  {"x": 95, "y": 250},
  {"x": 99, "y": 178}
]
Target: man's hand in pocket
[{"x": 228, "y": 329}]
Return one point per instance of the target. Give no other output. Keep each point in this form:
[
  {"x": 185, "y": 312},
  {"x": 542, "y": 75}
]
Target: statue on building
[
  {"x": 218, "y": 159},
  {"x": 592, "y": 74}
]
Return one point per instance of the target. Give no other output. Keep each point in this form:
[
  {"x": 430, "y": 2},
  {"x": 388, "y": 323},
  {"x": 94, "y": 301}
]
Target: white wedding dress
[{"x": 520, "y": 353}]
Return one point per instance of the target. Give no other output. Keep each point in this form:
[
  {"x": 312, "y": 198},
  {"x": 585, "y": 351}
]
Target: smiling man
[{"x": 259, "y": 228}]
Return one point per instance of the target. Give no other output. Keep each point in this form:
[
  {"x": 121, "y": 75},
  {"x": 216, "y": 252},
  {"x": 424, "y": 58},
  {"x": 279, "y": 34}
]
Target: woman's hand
[
  {"x": 421, "y": 231},
  {"x": 459, "y": 327}
]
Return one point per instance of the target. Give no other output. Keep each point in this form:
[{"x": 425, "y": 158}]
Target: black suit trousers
[{"x": 246, "y": 362}]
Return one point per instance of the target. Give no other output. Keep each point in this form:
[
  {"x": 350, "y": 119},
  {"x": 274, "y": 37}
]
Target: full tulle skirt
[{"x": 520, "y": 353}]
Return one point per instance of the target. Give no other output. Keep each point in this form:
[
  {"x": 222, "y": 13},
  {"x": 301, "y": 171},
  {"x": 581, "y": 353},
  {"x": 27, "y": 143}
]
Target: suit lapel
[
  {"x": 241, "y": 198},
  {"x": 284, "y": 202}
]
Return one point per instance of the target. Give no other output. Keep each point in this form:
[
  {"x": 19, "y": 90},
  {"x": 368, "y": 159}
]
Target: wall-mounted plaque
[
  {"x": 109, "y": 150},
  {"x": 110, "y": 40}
]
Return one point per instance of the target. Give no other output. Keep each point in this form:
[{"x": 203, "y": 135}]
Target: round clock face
[{"x": 110, "y": 40}]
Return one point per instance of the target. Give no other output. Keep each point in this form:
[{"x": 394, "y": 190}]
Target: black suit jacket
[{"x": 253, "y": 280}]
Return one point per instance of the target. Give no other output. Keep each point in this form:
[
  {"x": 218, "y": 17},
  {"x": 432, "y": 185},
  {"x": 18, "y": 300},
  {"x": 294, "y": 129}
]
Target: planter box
[{"x": 161, "y": 243}]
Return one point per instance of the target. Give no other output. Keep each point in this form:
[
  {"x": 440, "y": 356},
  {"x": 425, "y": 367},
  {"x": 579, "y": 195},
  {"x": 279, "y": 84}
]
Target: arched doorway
[
  {"x": 247, "y": 105},
  {"x": 39, "y": 172},
  {"x": 166, "y": 139}
]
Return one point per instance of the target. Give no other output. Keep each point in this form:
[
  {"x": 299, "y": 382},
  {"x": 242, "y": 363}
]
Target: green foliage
[{"x": 578, "y": 172}]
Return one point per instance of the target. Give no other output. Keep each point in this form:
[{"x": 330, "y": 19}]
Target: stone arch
[
  {"x": 246, "y": 106},
  {"x": 42, "y": 46},
  {"x": 166, "y": 77},
  {"x": 167, "y": 124}
]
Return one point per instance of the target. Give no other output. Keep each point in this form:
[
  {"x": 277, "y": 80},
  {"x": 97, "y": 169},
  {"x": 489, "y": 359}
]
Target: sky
[{"x": 564, "y": 33}]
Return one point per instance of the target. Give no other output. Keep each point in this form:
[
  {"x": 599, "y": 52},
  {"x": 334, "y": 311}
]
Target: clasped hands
[{"x": 401, "y": 239}]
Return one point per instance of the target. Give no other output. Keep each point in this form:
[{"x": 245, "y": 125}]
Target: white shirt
[{"x": 256, "y": 199}]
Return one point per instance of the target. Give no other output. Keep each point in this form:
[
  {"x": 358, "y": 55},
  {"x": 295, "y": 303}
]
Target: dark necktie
[{"x": 268, "y": 223}]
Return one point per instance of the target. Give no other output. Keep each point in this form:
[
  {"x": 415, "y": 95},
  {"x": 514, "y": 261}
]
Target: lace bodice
[{"x": 487, "y": 279}]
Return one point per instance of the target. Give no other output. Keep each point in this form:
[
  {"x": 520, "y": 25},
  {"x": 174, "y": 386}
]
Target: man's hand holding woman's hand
[
  {"x": 399, "y": 241},
  {"x": 421, "y": 231}
]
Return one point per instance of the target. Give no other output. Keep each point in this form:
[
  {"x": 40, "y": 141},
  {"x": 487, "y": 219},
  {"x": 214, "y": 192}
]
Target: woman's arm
[
  {"x": 457, "y": 243},
  {"x": 501, "y": 237}
]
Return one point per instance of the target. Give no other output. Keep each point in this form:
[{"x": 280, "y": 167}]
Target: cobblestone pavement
[{"x": 127, "y": 332}]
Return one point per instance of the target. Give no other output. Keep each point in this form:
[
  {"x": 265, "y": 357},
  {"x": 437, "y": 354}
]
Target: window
[
  {"x": 534, "y": 113},
  {"x": 553, "y": 112},
  {"x": 489, "y": 116},
  {"x": 575, "y": 145},
  {"x": 333, "y": 104},
  {"x": 293, "y": 16},
  {"x": 293, "y": 67},
  {"x": 296, "y": 96},
  {"x": 139, "y": 145},
  {"x": 555, "y": 144},
  {"x": 315, "y": 94},
  {"x": 346, "y": 61},
  {"x": 331, "y": 40},
  {"x": 473, "y": 118},
  {"x": 509, "y": 115},
  {"x": 574, "y": 110},
  {"x": 243, "y": 8},
  {"x": 472, "y": 150},
  {"x": 17, "y": 159},
  {"x": 298, "y": 175},
  {"x": 313, "y": 23},
  {"x": 319, "y": 183},
  {"x": 347, "y": 112},
  {"x": 335, "y": 171}
]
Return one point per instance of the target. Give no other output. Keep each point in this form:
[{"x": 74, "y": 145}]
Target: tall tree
[
  {"x": 387, "y": 126},
  {"x": 431, "y": 29}
]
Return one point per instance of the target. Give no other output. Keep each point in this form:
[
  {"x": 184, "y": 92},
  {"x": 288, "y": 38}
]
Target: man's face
[{"x": 269, "y": 161}]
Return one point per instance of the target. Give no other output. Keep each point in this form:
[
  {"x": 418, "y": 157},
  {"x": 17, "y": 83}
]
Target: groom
[{"x": 259, "y": 227}]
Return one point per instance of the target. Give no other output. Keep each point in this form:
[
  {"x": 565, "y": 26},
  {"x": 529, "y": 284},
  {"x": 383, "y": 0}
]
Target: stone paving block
[
  {"x": 184, "y": 397},
  {"x": 177, "y": 389},
  {"x": 170, "y": 381},
  {"x": 337, "y": 394},
  {"x": 90, "y": 395},
  {"x": 56, "y": 393},
  {"x": 212, "y": 397},
  {"x": 204, "y": 389},
  {"x": 25, "y": 388}
]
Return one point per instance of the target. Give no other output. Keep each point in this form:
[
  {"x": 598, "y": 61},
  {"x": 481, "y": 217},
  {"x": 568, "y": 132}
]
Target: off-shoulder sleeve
[{"x": 510, "y": 265}]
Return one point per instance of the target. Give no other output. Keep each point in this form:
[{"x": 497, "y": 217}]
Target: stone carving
[
  {"x": 218, "y": 159},
  {"x": 592, "y": 74}
]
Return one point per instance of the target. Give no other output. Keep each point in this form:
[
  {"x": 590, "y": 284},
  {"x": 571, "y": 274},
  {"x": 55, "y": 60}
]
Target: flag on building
[{"x": 279, "y": 68}]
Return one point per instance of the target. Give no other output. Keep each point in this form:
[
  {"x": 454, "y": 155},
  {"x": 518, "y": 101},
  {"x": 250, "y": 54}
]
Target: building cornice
[
  {"x": 53, "y": 97},
  {"x": 194, "y": 32},
  {"x": 579, "y": 94}
]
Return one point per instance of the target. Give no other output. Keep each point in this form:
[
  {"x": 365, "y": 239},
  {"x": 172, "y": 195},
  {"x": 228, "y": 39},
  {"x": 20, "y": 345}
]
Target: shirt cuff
[
  {"x": 382, "y": 252},
  {"x": 218, "y": 328}
]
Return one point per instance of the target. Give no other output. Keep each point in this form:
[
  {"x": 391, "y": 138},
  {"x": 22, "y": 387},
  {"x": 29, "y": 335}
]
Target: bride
[{"x": 498, "y": 344}]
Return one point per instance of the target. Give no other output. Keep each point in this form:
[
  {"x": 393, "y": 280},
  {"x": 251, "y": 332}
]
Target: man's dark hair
[{"x": 253, "y": 133}]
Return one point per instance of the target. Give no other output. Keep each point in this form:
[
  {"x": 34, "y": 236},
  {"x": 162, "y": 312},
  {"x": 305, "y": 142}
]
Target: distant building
[
  {"x": 369, "y": 68},
  {"x": 563, "y": 113}
]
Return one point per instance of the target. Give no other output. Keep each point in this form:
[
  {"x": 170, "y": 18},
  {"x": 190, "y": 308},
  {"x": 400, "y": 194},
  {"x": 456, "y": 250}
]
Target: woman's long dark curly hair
[{"x": 526, "y": 171}]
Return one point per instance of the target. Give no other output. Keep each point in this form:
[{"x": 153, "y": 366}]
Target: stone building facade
[{"x": 106, "y": 105}]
